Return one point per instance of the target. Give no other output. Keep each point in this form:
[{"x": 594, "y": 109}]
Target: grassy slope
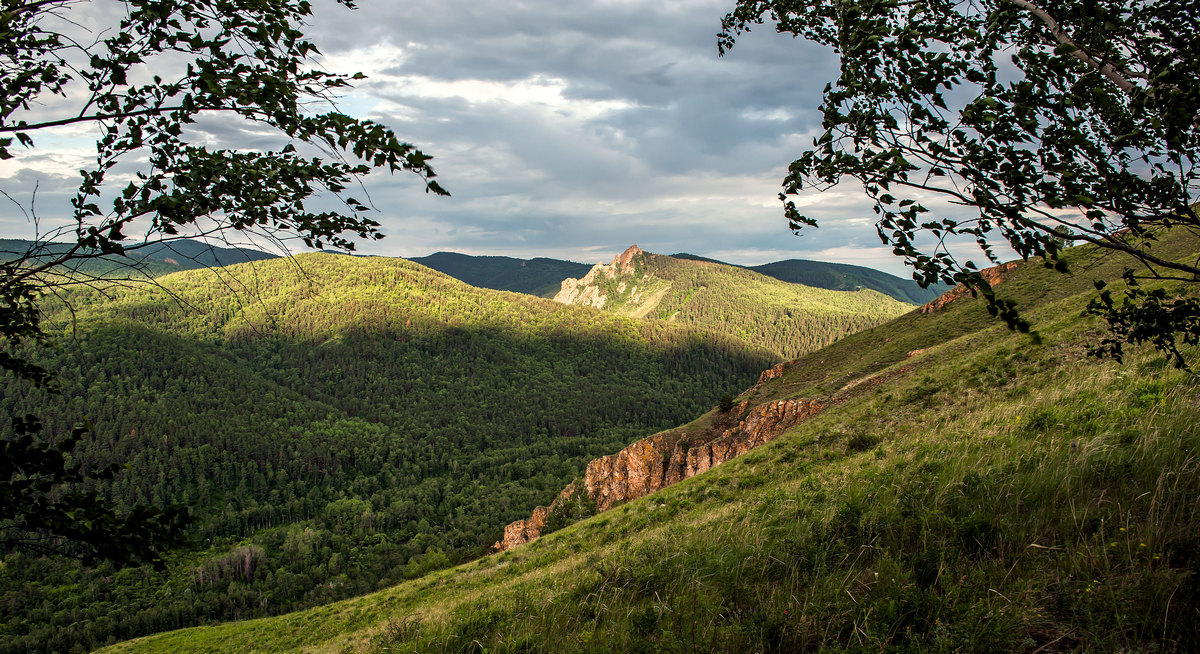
[
  {"x": 789, "y": 319},
  {"x": 987, "y": 494}
]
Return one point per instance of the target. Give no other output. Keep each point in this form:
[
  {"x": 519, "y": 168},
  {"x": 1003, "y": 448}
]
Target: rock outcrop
[
  {"x": 586, "y": 290},
  {"x": 523, "y": 531},
  {"x": 668, "y": 458},
  {"x": 774, "y": 372},
  {"x": 993, "y": 276},
  {"x": 581, "y": 291}
]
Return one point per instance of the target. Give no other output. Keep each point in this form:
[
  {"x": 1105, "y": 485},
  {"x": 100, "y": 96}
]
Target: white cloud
[{"x": 380, "y": 63}]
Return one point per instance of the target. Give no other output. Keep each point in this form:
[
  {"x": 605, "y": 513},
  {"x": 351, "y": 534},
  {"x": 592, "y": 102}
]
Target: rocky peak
[
  {"x": 587, "y": 290},
  {"x": 622, "y": 261}
]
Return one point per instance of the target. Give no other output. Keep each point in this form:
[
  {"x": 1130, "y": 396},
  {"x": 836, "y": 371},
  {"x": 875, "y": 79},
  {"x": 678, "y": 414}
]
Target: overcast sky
[{"x": 566, "y": 130}]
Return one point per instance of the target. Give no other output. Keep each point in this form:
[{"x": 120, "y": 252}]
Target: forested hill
[
  {"x": 538, "y": 276},
  {"x": 789, "y": 319},
  {"x": 337, "y": 424},
  {"x": 846, "y": 277},
  {"x": 839, "y": 277},
  {"x": 153, "y": 259}
]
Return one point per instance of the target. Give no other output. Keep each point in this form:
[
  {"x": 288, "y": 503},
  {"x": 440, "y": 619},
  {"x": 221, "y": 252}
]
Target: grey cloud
[
  {"x": 34, "y": 201},
  {"x": 659, "y": 76}
]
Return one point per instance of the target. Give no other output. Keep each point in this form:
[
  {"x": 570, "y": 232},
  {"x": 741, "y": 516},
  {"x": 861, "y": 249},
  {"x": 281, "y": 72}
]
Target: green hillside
[
  {"x": 788, "y": 319},
  {"x": 839, "y": 277},
  {"x": 967, "y": 489},
  {"x": 337, "y": 424},
  {"x": 538, "y": 276}
]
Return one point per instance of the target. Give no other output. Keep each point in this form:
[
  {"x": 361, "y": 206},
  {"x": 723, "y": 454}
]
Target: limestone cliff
[
  {"x": 993, "y": 276},
  {"x": 667, "y": 458}
]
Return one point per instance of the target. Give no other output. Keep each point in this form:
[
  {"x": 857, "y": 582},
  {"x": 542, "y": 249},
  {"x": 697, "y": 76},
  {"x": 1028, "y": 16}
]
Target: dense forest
[
  {"x": 787, "y": 319},
  {"x": 336, "y": 424}
]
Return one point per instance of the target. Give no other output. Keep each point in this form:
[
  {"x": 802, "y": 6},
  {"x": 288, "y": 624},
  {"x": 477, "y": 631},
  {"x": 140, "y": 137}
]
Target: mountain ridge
[
  {"x": 538, "y": 276},
  {"x": 153, "y": 258},
  {"x": 512, "y": 274}
]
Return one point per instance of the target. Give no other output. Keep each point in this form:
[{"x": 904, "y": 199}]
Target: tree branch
[
  {"x": 1106, "y": 241},
  {"x": 70, "y": 255},
  {"x": 31, "y": 6},
  {"x": 95, "y": 117},
  {"x": 1118, "y": 77},
  {"x": 1113, "y": 242}
]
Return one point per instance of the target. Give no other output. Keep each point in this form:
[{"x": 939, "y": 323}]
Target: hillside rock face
[
  {"x": 665, "y": 459},
  {"x": 993, "y": 275},
  {"x": 586, "y": 291},
  {"x": 523, "y": 531},
  {"x": 774, "y": 372},
  {"x": 581, "y": 291}
]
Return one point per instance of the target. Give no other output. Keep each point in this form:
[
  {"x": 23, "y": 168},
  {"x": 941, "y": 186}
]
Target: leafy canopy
[
  {"x": 1054, "y": 123},
  {"x": 143, "y": 82}
]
